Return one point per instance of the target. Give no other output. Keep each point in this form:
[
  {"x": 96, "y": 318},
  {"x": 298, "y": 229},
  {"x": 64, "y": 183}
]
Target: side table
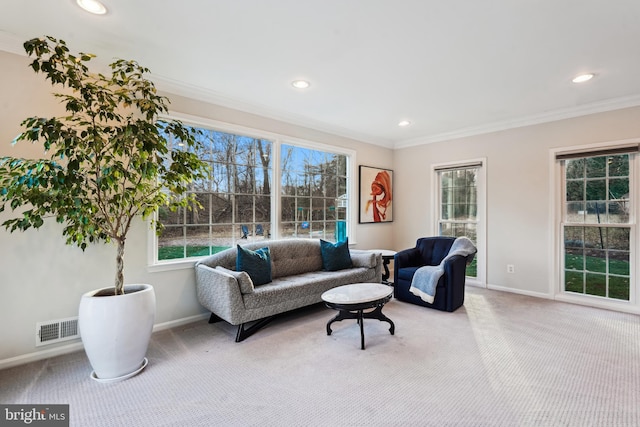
[{"x": 387, "y": 256}]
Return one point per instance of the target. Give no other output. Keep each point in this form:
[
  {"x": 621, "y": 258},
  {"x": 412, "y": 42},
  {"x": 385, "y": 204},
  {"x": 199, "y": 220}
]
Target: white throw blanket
[{"x": 426, "y": 278}]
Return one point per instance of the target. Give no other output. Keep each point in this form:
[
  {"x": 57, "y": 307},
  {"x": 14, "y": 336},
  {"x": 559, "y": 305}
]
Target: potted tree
[{"x": 105, "y": 163}]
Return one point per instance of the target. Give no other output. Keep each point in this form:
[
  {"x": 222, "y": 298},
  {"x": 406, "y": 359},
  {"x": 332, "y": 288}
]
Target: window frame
[
  {"x": 155, "y": 265},
  {"x": 558, "y": 224},
  {"x": 317, "y": 147},
  {"x": 481, "y": 215}
]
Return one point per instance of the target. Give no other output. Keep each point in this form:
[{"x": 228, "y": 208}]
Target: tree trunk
[
  {"x": 120, "y": 268},
  {"x": 264, "y": 159}
]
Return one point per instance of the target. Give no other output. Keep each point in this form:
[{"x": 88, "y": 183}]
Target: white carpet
[{"x": 500, "y": 360}]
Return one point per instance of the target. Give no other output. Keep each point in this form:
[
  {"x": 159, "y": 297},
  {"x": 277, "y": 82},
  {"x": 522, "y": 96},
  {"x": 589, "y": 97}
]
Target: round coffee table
[{"x": 352, "y": 300}]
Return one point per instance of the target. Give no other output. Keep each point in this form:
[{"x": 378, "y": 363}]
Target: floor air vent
[{"x": 56, "y": 330}]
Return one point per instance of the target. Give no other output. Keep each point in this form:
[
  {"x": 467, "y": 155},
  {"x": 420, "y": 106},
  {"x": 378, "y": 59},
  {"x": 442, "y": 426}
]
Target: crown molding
[
  {"x": 11, "y": 43},
  {"x": 206, "y": 95},
  {"x": 550, "y": 116}
]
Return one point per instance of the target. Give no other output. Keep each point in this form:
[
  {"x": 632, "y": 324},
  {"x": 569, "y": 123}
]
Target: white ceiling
[{"x": 453, "y": 67}]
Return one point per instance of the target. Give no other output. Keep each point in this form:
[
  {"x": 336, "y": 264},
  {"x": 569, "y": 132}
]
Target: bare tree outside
[
  {"x": 235, "y": 199},
  {"x": 597, "y": 237}
]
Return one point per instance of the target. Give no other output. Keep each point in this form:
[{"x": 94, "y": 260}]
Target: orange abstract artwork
[{"x": 376, "y": 194}]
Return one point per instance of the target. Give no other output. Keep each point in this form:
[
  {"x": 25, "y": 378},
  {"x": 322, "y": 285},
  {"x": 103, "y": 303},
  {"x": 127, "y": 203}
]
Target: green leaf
[{"x": 106, "y": 160}]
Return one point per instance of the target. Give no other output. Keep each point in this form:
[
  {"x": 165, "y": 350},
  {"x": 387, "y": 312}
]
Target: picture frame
[{"x": 375, "y": 195}]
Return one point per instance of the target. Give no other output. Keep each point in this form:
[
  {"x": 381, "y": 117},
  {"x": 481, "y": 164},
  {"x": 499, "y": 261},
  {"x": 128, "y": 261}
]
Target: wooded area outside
[
  {"x": 597, "y": 243},
  {"x": 236, "y": 200}
]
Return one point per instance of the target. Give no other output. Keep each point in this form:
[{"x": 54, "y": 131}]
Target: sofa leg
[
  {"x": 213, "y": 318},
  {"x": 245, "y": 333}
]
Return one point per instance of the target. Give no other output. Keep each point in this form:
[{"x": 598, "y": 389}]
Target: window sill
[
  {"x": 599, "y": 302},
  {"x": 179, "y": 264}
]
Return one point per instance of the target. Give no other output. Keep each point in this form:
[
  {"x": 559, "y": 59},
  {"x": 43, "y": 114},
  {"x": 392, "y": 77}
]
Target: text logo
[{"x": 34, "y": 415}]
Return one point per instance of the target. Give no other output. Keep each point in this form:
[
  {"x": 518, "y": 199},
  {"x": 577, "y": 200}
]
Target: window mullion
[
  {"x": 619, "y": 228},
  {"x": 235, "y": 195}
]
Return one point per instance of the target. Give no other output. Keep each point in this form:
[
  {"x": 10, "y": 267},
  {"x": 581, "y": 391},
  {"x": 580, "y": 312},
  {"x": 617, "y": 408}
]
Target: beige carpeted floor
[{"x": 501, "y": 360}]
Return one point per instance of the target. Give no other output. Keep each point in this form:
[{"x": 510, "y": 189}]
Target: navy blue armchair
[{"x": 431, "y": 251}]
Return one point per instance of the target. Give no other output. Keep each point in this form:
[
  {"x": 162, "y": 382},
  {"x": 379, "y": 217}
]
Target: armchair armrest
[
  {"x": 455, "y": 271},
  {"x": 408, "y": 258},
  {"x": 455, "y": 267}
]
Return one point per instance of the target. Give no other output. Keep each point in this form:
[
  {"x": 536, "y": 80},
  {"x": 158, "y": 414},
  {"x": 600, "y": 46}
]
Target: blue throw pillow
[
  {"x": 256, "y": 263},
  {"x": 335, "y": 256}
]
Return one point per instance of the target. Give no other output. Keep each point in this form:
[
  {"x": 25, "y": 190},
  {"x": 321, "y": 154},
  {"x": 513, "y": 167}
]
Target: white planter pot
[{"x": 116, "y": 329}]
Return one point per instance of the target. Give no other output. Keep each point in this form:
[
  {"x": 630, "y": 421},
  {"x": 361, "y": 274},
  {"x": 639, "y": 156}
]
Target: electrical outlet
[{"x": 511, "y": 268}]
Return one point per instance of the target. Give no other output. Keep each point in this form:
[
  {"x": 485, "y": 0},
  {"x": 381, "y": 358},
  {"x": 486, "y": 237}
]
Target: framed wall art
[{"x": 376, "y": 195}]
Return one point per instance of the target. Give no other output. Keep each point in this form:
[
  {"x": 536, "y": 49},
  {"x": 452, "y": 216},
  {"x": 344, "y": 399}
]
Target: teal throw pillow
[
  {"x": 256, "y": 263},
  {"x": 335, "y": 256}
]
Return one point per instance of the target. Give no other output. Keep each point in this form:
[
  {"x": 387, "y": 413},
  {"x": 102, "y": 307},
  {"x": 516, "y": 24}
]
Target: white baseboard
[
  {"x": 179, "y": 322},
  {"x": 622, "y": 306},
  {"x": 77, "y": 344},
  {"x": 41, "y": 354},
  {"x": 595, "y": 302},
  {"x": 520, "y": 291}
]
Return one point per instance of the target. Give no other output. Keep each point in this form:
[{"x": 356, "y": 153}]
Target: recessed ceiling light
[
  {"x": 300, "y": 84},
  {"x": 404, "y": 123},
  {"x": 583, "y": 78},
  {"x": 92, "y": 6}
]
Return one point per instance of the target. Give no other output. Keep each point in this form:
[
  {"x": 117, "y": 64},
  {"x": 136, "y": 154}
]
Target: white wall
[
  {"x": 42, "y": 279},
  {"x": 368, "y": 236},
  {"x": 518, "y": 190}
]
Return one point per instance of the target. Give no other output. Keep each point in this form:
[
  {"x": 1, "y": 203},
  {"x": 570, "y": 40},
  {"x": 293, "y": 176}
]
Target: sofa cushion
[
  {"x": 305, "y": 286},
  {"x": 335, "y": 256},
  {"x": 291, "y": 257},
  {"x": 245, "y": 282},
  {"x": 256, "y": 263}
]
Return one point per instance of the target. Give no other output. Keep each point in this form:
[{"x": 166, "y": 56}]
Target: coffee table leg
[
  {"x": 377, "y": 314},
  {"x": 392, "y": 327},
  {"x": 361, "y": 321},
  {"x": 360, "y": 315},
  {"x": 342, "y": 314}
]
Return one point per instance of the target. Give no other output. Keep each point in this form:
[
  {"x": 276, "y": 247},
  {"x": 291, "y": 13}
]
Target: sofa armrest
[
  {"x": 367, "y": 259},
  {"x": 361, "y": 258},
  {"x": 220, "y": 293},
  {"x": 243, "y": 278}
]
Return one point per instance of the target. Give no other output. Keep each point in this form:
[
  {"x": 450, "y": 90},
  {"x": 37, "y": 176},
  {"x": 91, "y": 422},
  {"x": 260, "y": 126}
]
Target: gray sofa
[{"x": 298, "y": 281}]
